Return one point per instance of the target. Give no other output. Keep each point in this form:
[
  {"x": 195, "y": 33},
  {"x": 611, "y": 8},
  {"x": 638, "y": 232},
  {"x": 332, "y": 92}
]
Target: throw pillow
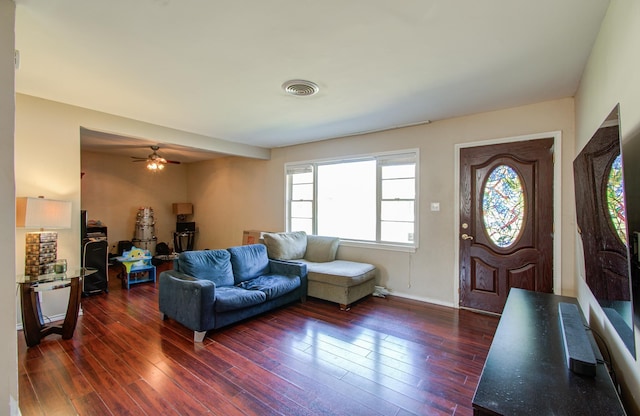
[
  {"x": 211, "y": 265},
  {"x": 321, "y": 249},
  {"x": 286, "y": 246}
]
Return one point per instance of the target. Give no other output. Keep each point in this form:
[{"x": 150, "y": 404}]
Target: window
[
  {"x": 615, "y": 199},
  {"x": 369, "y": 199},
  {"x": 503, "y": 206}
]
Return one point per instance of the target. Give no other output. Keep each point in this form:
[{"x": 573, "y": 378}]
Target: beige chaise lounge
[{"x": 339, "y": 281}]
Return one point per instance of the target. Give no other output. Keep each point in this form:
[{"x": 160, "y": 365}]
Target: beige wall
[
  {"x": 114, "y": 188},
  {"x": 610, "y": 77},
  {"x": 8, "y": 345},
  {"x": 234, "y": 194},
  {"x": 230, "y": 195}
]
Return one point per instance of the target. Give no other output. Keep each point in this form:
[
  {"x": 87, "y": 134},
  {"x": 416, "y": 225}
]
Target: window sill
[{"x": 378, "y": 246}]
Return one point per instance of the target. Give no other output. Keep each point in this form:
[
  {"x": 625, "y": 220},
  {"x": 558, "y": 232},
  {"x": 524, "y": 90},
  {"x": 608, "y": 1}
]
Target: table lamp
[
  {"x": 41, "y": 251},
  {"x": 182, "y": 209}
]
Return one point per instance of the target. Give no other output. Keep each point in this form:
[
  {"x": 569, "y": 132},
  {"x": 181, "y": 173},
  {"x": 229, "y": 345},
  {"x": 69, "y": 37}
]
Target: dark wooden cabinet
[
  {"x": 95, "y": 255},
  {"x": 526, "y": 372}
]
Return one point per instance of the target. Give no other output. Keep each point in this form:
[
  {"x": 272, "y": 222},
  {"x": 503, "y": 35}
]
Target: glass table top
[{"x": 56, "y": 277}]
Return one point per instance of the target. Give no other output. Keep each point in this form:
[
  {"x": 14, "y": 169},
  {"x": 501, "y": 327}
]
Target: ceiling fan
[{"x": 154, "y": 160}]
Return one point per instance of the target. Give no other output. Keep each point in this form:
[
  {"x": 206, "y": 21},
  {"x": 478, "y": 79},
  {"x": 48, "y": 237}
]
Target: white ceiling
[{"x": 215, "y": 67}]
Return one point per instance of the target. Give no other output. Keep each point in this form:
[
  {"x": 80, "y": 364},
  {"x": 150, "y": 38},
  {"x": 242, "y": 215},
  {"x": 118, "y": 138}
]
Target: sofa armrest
[
  {"x": 285, "y": 267},
  {"x": 292, "y": 267},
  {"x": 187, "y": 300}
]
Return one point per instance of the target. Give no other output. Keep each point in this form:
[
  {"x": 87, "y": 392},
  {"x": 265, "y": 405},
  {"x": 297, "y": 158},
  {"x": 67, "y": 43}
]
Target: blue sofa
[{"x": 209, "y": 289}]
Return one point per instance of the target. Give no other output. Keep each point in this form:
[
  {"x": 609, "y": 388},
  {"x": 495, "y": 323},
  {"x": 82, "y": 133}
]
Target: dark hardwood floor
[{"x": 384, "y": 357}]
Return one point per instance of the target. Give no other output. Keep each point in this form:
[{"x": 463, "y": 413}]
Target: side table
[
  {"x": 164, "y": 262},
  {"x": 183, "y": 241},
  {"x": 33, "y": 325}
]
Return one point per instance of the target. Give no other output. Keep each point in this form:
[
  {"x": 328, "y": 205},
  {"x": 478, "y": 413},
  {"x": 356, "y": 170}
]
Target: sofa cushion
[
  {"x": 213, "y": 265},
  {"x": 249, "y": 262},
  {"x": 230, "y": 298},
  {"x": 273, "y": 285},
  {"x": 340, "y": 272},
  {"x": 321, "y": 249},
  {"x": 286, "y": 246}
]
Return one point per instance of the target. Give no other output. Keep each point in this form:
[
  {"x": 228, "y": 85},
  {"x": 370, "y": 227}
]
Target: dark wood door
[
  {"x": 506, "y": 221},
  {"x": 605, "y": 254}
]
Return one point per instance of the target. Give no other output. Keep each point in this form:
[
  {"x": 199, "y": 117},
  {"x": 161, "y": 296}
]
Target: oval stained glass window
[
  {"x": 503, "y": 206},
  {"x": 615, "y": 200}
]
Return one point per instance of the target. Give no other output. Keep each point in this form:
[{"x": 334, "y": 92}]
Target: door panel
[{"x": 489, "y": 267}]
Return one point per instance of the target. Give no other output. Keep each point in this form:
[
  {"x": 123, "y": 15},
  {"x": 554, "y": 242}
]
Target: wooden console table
[
  {"x": 526, "y": 372},
  {"x": 33, "y": 325}
]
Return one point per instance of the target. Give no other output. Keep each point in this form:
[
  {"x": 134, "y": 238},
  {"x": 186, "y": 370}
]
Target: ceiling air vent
[{"x": 300, "y": 88}]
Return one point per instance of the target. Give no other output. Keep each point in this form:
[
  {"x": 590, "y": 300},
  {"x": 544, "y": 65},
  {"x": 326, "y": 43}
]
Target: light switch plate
[{"x": 435, "y": 206}]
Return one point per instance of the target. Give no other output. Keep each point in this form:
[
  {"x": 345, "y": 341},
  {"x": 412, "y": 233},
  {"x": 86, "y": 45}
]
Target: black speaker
[
  {"x": 185, "y": 226},
  {"x": 95, "y": 256},
  {"x": 578, "y": 350},
  {"x": 124, "y": 246}
]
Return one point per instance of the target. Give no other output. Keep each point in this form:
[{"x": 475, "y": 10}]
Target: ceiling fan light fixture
[
  {"x": 154, "y": 162},
  {"x": 300, "y": 88},
  {"x": 154, "y": 166}
]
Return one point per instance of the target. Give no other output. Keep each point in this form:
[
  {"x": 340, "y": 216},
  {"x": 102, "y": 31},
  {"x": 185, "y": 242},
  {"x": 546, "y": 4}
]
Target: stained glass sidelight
[
  {"x": 615, "y": 199},
  {"x": 503, "y": 206}
]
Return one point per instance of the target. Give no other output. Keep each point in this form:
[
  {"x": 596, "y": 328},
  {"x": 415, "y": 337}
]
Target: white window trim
[{"x": 408, "y": 248}]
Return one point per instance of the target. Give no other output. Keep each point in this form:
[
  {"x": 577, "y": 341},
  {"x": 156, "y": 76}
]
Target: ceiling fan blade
[{"x": 154, "y": 157}]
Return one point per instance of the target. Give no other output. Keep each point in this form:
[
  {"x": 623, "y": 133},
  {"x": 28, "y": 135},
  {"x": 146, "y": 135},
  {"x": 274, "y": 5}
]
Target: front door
[{"x": 506, "y": 221}]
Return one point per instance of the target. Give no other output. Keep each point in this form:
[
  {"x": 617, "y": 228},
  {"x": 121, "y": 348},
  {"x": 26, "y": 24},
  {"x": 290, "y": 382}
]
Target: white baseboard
[{"x": 422, "y": 299}]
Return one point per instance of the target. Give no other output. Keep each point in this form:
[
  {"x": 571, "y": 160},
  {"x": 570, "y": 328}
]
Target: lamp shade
[
  {"x": 43, "y": 213},
  {"x": 183, "y": 208}
]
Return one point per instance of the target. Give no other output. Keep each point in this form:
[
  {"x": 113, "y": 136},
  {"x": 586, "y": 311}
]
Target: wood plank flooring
[{"x": 384, "y": 357}]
